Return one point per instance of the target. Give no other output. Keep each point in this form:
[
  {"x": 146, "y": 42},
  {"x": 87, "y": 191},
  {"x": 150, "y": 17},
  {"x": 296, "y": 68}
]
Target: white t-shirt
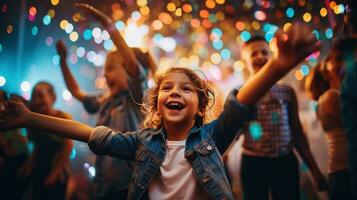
[{"x": 175, "y": 180}]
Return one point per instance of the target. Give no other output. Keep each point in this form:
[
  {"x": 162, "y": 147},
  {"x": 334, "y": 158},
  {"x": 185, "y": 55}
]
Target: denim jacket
[{"x": 204, "y": 147}]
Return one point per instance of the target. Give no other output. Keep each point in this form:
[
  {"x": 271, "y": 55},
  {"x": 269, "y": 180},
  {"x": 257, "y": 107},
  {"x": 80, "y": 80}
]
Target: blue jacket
[{"x": 204, "y": 147}]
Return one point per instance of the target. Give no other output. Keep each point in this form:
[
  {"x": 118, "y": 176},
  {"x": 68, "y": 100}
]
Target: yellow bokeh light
[
  {"x": 55, "y": 2},
  {"x": 323, "y": 12},
  {"x": 216, "y": 58},
  {"x": 220, "y": 15},
  {"x": 63, "y": 24},
  {"x": 76, "y": 17},
  {"x": 238, "y": 65},
  {"x": 210, "y": 4},
  {"x": 178, "y": 12},
  {"x": 51, "y": 13},
  {"x": 145, "y": 10},
  {"x": 220, "y": 1},
  {"x": 307, "y": 17},
  {"x": 171, "y": 7},
  {"x": 73, "y": 36},
  {"x": 141, "y": 3},
  {"x": 286, "y": 26},
  {"x": 256, "y": 25}
]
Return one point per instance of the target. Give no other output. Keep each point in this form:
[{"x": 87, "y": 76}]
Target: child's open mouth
[{"x": 175, "y": 105}]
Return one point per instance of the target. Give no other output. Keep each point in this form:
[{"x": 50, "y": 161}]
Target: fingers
[{"x": 103, "y": 18}]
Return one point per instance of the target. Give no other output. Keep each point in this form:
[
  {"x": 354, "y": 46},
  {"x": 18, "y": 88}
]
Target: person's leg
[
  {"x": 340, "y": 185},
  {"x": 285, "y": 180},
  {"x": 255, "y": 178}
]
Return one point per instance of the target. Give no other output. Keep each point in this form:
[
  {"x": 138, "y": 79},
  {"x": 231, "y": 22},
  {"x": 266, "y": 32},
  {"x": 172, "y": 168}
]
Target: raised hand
[
  {"x": 131, "y": 64},
  {"x": 295, "y": 45},
  {"x": 14, "y": 116},
  {"x": 61, "y": 49},
  {"x": 101, "y": 17}
]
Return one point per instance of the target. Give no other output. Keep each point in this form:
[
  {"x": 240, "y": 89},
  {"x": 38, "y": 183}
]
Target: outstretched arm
[
  {"x": 293, "y": 47},
  {"x": 17, "y": 115},
  {"x": 71, "y": 82},
  {"x": 131, "y": 63}
]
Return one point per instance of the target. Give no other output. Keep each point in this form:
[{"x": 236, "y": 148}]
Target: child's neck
[{"x": 177, "y": 132}]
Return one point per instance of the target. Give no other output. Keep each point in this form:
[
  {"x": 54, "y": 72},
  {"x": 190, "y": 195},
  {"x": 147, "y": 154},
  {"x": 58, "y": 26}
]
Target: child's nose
[{"x": 174, "y": 92}]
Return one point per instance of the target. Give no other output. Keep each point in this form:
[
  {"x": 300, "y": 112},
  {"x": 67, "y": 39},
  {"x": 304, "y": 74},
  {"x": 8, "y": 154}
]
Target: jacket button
[{"x": 190, "y": 155}]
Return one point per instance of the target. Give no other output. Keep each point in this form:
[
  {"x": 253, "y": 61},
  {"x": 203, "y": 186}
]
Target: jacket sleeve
[
  {"x": 225, "y": 128},
  {"x": 104, "y": 141}
]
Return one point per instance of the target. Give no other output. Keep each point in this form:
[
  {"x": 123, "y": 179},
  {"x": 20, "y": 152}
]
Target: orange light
[
  {"x": 240, "y": 26},
  {"x": 187, "y": 8},
  {"x": 204, "y": 13}
]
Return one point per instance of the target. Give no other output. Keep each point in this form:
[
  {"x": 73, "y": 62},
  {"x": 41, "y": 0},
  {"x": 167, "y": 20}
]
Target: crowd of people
[{"x": 161, "y": 143}]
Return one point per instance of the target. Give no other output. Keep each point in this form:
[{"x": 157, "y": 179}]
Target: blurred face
[
  {"x": 335, "y": 66},
  {"x": 256, "y": 54},
  {"x": 42, "y": 99},
  {"x": 177, "y": 100},
  {"x": 115, "y": 75}
]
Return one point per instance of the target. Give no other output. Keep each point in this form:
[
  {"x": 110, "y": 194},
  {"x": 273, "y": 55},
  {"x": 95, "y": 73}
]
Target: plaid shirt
[{"x": 272, "y": 133}]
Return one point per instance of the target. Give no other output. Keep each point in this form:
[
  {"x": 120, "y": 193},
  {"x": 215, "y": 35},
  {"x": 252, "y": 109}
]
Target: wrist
[{"x": 279, "y": 67}]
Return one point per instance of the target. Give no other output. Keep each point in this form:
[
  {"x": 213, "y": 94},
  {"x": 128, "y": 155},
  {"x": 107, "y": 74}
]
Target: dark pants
[
  {"x": 118, "y": 195},
  {"x": 57, "y": 191},
  {"x": 340, "y": 185},
  {"x": 13, "y": 185},
  {"x": 281, "y": 175}
]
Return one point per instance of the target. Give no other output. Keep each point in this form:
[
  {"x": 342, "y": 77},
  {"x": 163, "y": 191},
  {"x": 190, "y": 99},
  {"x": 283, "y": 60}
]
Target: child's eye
[
  {"x": 165, "y": 88},
  {"x": 188, "y": 89}
]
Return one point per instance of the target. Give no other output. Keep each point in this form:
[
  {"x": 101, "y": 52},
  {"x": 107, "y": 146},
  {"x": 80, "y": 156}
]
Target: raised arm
[
  {"x": 293, "y": 47},
  {"x": 131, "y": 63},
  {"x": 17, "y": 115},
  {"x": 70, "y": 81}
]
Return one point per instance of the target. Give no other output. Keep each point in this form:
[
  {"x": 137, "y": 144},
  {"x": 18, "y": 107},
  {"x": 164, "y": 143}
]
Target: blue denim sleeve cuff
[
  {"x": 237, "y": 111},
  {"x": 100, "y": 139}
]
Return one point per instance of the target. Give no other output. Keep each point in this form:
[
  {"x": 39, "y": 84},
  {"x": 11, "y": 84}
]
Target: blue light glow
[
  {"x": 120, "y": 25},
  {"x": 46, "y": 20},
  {"x": 225, "y": 54},
  {"x": 245, "y": 36},
  {"x": 329, "y": 33},
  {"x": 255, "y": 130},
  {"x": 218, "y": 44},
  {"x": 290, "y": 12},
  {"x": 34, "y": 30},
  {"x": 87, "y": 34}
]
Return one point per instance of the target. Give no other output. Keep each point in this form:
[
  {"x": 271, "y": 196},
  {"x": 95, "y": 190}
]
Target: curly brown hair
[{"x": 149, "y": 107}]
